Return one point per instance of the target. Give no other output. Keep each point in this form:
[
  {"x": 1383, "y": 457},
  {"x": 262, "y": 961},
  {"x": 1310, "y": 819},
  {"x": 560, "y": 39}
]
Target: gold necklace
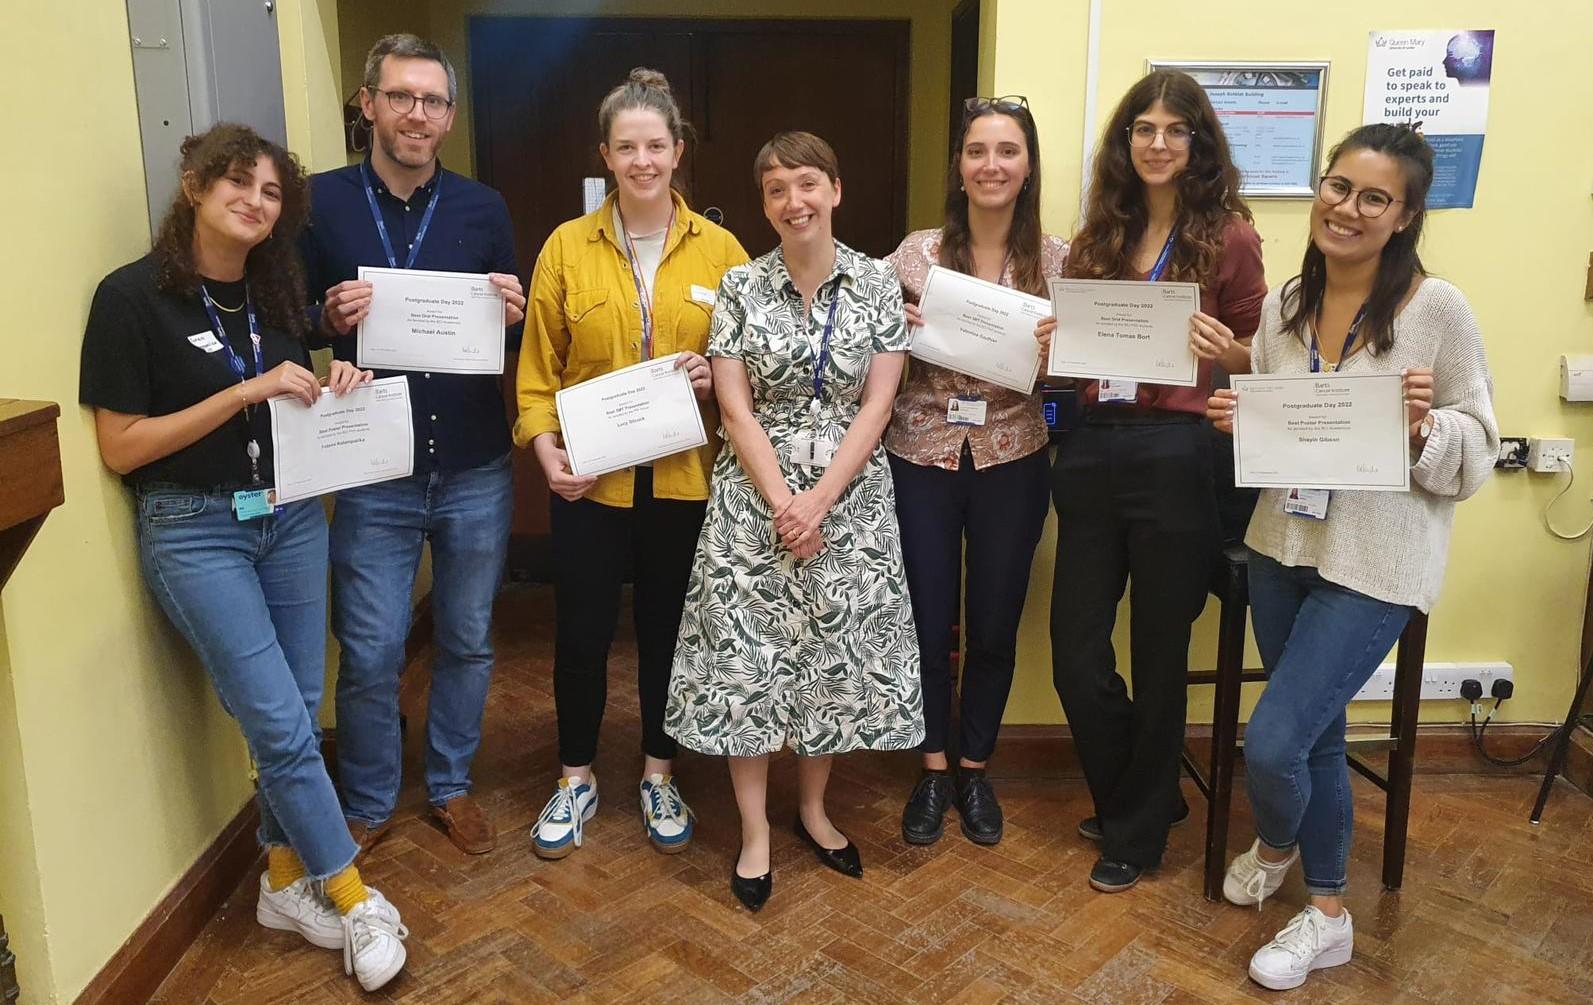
[{"x": 229, "y": 310}]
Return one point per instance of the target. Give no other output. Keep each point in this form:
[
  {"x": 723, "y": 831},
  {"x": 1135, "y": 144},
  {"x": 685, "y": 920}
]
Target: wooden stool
[{"x": 1231, "y": 587}]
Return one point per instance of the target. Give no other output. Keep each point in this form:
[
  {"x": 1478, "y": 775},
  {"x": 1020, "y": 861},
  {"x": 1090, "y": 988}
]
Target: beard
[{"x": 390, "y": 142}]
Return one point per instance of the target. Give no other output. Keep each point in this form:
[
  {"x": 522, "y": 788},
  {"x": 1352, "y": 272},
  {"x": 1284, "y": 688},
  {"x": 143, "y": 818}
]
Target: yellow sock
[
  {"x": 345, "y": 890},
  {"x": 283, "y": 868}
]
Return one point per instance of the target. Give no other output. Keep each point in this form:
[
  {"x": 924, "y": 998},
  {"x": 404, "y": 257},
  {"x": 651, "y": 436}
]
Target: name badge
[
  {"x": 966, "y": 411},
  {"x": 206, "y": 341},
  {"x": 812, "y": 452},
  {"x": 1311, "y": 503},
  {"x": 251, "y": 504},
  {"x": 702, "y": 294},
  {"x": 1119, "y": 390}
]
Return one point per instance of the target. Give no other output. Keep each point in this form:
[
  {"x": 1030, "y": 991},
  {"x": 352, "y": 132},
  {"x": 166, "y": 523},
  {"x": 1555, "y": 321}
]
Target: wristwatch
[{"x": 1426, "y": 428}]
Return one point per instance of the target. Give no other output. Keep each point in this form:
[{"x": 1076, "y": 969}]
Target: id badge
[
  {"x": 1119, "y": 390},
  {"x": 1311, "y": 503},
  {"x": 252, "y": 504},
  {"x": 968, "y": 411},
  {"x": 812, "y": 452}
]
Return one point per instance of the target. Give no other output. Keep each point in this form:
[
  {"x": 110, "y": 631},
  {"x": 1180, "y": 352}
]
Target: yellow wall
[
  {"x": 363, "y": 21},
  {"x": 117, "y": 766},
  {"x": 1513, "y": 592}
]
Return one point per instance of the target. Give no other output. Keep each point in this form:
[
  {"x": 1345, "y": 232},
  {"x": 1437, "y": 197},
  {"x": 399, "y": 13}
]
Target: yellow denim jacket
[{"x": 583, "y": 321}]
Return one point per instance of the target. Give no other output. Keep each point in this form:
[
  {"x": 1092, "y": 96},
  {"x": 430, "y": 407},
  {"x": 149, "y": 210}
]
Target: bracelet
[{"x": 245, "y": 395}]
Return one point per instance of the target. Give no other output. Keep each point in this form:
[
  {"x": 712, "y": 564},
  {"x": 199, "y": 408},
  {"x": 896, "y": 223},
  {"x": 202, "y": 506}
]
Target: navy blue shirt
[{"x": 460, "y": 419}]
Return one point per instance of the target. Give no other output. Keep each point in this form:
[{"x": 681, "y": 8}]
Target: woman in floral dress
[{"x": 797, "y": 628}]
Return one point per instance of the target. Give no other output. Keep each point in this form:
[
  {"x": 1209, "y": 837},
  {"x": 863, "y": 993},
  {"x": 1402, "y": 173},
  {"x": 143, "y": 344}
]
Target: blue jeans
[
  {"x": 1319, "y": 643},
  {"x": 377, "y": 533},
  {"x": 250, "y": 598}
]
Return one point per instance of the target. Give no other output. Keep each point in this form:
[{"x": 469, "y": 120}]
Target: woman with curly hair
[
  {"x": 1133, "y": 484},
  {"x": 181, "y": 351}
]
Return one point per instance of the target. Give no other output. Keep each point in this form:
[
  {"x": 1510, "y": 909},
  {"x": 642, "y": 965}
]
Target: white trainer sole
[
  {"x": 269, "y": 917},
  {"x": 1287, "y": 982}
]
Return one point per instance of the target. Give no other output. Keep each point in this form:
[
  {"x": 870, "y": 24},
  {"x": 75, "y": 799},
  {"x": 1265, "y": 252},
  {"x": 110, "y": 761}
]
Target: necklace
[{"x": 230, "y": 310}]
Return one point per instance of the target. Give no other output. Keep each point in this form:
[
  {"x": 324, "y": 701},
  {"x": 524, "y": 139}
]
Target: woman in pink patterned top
[{"x": 969, "y": 462}]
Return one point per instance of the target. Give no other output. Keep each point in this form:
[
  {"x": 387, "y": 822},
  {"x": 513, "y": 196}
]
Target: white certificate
[
  {"x": 1321, "y": 430},
  {"x": 441, "y": 322},
  {"x": 362, "y": 437},
  {"x": 979, "y": 328},
  {"x": 1123, "y": 330},
  {"x": 629, "y": 416}
]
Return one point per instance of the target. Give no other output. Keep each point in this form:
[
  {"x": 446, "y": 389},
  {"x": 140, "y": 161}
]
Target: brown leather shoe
[
  {"x": 467, "y": 826},
  {"x": 365, "y": 835}
]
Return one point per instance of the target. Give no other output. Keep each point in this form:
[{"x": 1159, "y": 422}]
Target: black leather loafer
[
  {"x": 978, "y": 809},
  {"x": 752, "y": 893},
  {"x": 1114, "y": 877},
  {"x": 924, "y": 818},
  {"x": 843, "y": 860}
]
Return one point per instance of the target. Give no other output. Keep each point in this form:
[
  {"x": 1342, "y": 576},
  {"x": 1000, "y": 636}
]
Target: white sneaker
[
  {"x": 373, "y": 945},
  {"x": 299, "y": 907},
  {"x": 665, "y": 814},
  {"x": 558, "y": 830},
  {"x": 1312, "y": 941},
  {"x": 1251, "y": 880}
]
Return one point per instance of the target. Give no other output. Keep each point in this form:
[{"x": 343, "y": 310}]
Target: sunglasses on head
[{"x": 1006, "y": 104}]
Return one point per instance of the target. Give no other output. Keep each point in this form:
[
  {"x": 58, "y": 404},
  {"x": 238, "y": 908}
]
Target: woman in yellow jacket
[{"x": 631, "y": 281}]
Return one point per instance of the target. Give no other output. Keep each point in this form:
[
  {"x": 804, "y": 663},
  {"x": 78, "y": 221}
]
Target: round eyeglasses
[
  {"x": 1369, "y": 202},
  {"x": 402, "y": 102}
]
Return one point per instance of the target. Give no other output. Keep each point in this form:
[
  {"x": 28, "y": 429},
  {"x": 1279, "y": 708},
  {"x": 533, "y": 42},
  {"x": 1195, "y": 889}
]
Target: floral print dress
[{"x": 820, "y": 654}]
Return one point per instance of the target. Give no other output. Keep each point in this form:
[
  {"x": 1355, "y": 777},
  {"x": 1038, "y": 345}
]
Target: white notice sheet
[
  {"x": 1321, "y": 431},
  {"x": 364, "y": 436},
  {"x": 441, "y": 322},
  {"x": 1123, "y": 330},
  {"x": 629, "y": 416},
  {"x": 980, "y": 328}
]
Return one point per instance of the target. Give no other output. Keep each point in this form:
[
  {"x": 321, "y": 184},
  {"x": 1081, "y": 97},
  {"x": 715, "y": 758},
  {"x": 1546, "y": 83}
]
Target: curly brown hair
[
  {"x": 276, "y": 278},
  {"x": 1208, "y": 189},
  {"x": 1025, "y": 239}
]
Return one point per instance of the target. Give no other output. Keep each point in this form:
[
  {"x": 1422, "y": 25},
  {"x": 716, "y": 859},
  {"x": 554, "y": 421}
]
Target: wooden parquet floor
[{"x": 1493, "y": 910}]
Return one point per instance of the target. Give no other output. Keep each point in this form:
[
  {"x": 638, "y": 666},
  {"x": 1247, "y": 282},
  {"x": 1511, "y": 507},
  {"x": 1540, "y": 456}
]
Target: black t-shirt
[{"x": 148, "y": 351}]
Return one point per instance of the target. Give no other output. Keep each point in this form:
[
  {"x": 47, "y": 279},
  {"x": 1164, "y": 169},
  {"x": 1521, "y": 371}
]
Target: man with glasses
[{"x": 400, "y": 209}]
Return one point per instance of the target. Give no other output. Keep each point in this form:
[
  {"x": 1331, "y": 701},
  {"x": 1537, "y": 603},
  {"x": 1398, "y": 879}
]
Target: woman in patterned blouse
[
  {"x": 797, "y": 630},
  {"x": 983, "y": 481}
]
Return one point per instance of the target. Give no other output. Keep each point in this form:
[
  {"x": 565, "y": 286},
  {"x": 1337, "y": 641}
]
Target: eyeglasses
[
  {"x": 1177, "y": 136},
  {"x": 1006, "y": 105},
  {"x": 402, "y": 102},
  {"x": 1369, "y": 202}
]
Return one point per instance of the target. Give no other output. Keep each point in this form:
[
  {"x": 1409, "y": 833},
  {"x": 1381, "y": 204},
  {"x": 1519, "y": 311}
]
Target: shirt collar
[
  {"x": 603, "y": 226},
  {"x": 847, "y": 267},
  {"x": 422, "y": 191}
]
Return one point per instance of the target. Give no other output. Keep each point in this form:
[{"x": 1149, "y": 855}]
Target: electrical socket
[
  {"x": 1440, "y": 681},
  {"x": 1550, "y": 453}
]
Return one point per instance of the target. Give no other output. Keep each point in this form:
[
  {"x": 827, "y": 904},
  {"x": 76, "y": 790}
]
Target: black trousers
[
  {"x": 592, "y": 546},
  {"x": 1000, "y": 511},
  {"x": 1134, "y": 501}
]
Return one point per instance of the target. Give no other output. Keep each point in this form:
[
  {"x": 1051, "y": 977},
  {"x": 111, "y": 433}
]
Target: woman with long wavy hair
[
  {"x": 182, "y": 349},
  {"x": 1133, "y": 483},
  {"x": 969, "y": 462}
]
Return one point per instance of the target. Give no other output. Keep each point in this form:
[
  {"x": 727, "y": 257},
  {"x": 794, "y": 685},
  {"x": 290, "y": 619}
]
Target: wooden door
[{"x": 536, "y": 85}]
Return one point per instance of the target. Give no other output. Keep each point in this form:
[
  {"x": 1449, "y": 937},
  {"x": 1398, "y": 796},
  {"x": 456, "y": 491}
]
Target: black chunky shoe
[
  {"x": 752, "y": 893},
  {"x": 1114, "y": 877},
  {"x": 924, "y": 818},
  {"x": 845, "y": 861},
  {"x": 1090, "y": 827},
  {"x": 977, "y": 806}
]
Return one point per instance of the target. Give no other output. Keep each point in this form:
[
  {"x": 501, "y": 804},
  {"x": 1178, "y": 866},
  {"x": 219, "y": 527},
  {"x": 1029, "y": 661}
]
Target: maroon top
[{"x": 1233, "y": 297}]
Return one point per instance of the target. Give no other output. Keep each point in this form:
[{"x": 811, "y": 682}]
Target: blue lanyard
[
  {"x": 381, "y": 227},
  {"x": 824, "y": 349},
  {"x": 1349, "y": 340},
  {"x": 1164, "y": 259},
  {"x": 644, "y": 296},
  {"x": 251, "y": 446}
]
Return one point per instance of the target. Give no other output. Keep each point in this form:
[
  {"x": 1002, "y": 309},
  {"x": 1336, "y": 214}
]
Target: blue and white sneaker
[
  {"x": 557, "y": 831},
  {"x": 665, "y": 815}
]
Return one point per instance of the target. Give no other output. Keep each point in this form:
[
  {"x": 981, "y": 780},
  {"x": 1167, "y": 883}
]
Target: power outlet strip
[{"x": 1440, "y": 681}]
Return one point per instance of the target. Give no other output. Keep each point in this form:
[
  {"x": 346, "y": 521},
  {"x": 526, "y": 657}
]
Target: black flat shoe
[
  {"x": 977, "y": 808},
  {"x": 924, "y": 818},
  {"x": 1114, "y": 877},
  {"x": 845, "y": 861},
  {"x": 751, "y": 892},
  {"x": 1090, "y": 827}
]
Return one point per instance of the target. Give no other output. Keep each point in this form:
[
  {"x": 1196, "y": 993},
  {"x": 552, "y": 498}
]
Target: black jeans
[
  {"x": 592, "y": 546},
  {"x": 1134, "y": 500},
  {"x": 1001, "y": 511}
]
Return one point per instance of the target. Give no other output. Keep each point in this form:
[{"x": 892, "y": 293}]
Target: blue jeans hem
[
  {"x": 440, "y": 800},
  {"x": 334, "y": 872},
  {"x": 1325, "y": 889}
]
